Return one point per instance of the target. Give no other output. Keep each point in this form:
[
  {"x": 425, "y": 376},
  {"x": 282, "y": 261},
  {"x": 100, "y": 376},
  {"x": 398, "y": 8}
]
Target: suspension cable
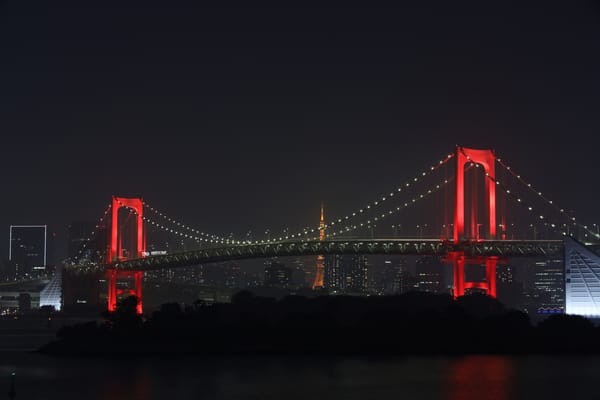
[
  {"x": 282, "y": 236},
  {"x": 527, "y": 206},
  {"x": 401, "y": 207},
  {"x": 546, "y": 200}
]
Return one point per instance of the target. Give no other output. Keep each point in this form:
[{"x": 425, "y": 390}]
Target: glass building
[{"x": 582, "y": 280}]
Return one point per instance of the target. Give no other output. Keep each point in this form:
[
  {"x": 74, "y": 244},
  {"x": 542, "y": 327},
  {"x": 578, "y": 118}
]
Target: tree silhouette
[{"x": 125, "y": 316}]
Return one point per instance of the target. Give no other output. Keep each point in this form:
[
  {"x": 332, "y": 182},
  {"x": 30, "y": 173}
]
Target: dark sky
[{"x": 237, "y": 118}]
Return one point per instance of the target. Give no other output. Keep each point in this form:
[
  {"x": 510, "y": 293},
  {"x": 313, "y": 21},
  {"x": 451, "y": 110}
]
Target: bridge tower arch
[
  {"x": 116, "y": 253},
  {"x": 487, "y": 159}
]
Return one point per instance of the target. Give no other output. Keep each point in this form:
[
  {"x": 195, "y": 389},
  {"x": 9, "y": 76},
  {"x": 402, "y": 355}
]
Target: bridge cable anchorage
[
  {"x": 305, "y": 232},
  {"x": 91, "y": 236},
  {"x": 546, "y": 200},
  {"x": 215, "y": 238},
  {"x": 400, "y": 208},
  {"x": 520, "y": 202}
]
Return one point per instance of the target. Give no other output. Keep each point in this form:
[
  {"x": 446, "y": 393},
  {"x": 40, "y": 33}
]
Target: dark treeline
[{"x": 414, "y": 323}]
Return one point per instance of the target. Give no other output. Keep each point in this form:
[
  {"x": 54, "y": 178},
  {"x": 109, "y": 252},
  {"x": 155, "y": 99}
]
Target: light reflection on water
[
  {"x": 415, "y": 378},
  {"x": 483, "y": 377}
]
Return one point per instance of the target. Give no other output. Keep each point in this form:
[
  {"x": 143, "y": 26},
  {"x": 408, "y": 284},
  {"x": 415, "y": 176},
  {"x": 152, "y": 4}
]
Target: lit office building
[
  {"x": 549, "y": 286},
  {"x": 333, "y": 274},
  {"x": 28, "y": 250},
  {"x": 278, "y": 276},
  {"x": 346, "y": 274},
  {"x": 78, "y": 235},
  {"x": 429, "y": 274},
  {"x": 394, "y": 277}
]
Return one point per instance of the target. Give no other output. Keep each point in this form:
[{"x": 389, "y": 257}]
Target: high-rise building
[
  {"x": 346, "y": 274},
  {"x": 582, "y": 280},
  {"x": 233, "y": 275},
  {"x": 429, "y": 275},
  {"x": 356, "y": 274},
  {"x": 508, "y": 289},
  {"x": 28, "y": 250},
  {"x": 549, "y": 285},
  {"x": 394, "y": 277},
  {"x": 77, "y": 236},
  {"x": 278, "y": 276},
  {"x": 333, "y": 273},
  {"x": 303, "y": 272}
]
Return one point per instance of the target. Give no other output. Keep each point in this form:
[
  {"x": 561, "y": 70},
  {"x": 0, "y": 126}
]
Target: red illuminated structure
[
  {"x": 116, "y": 251},
  {"x": 111, "y": 279},
  {"x": 486, "y": 159}
]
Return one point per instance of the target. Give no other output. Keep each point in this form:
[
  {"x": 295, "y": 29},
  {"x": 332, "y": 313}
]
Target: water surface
[{"x": 459, "y": 378}]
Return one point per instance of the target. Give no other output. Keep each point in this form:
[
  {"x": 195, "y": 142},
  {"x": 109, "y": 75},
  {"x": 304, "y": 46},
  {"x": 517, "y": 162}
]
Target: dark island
[{"x": 413, "y": 323}]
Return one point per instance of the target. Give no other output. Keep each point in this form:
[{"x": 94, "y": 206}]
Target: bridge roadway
[{"x": 425, "y": 247}]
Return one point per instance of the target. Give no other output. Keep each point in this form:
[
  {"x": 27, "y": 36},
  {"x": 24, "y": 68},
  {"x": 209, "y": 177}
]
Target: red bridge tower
[
  {"x": 486, "y": 159},
  {"x": 117, "y": 252}
]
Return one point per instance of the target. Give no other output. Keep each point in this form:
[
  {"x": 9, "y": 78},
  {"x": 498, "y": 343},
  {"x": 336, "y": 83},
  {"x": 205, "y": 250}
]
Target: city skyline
[{"x": 290, "y": 201}]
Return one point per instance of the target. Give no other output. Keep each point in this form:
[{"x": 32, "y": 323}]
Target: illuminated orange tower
[{"x": 318, "y": 282}]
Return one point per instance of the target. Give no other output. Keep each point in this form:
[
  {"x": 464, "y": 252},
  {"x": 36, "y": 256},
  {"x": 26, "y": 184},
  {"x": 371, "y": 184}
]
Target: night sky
[{"x": 244, "y": 118}]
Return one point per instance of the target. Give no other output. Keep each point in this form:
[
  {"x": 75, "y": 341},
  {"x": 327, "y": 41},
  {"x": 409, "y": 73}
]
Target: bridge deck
[{"x": 432, "y": 247}]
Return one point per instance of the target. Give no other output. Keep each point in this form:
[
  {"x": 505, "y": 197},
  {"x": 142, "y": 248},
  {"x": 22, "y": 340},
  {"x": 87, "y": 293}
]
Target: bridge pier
[
  {"x": 113, "y": 292},
  {"x": 459, "y": 260}
]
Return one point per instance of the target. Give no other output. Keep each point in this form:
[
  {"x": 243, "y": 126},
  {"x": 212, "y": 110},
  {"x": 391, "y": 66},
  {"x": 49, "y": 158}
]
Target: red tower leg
[
  {"x": 111, "y": 282},
  {"x": 138, "y": 275}
]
